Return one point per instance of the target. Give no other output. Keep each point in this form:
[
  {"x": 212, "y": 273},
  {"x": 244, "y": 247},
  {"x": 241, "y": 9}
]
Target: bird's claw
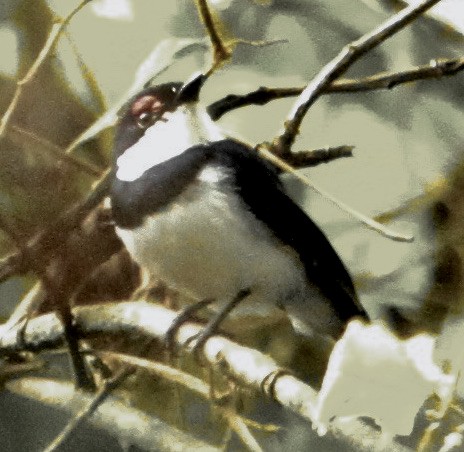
[{"x": 184, "y": 316}]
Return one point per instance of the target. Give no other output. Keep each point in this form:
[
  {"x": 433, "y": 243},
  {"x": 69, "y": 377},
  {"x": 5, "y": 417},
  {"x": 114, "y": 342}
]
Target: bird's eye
[{"x": 144, "y": 120}]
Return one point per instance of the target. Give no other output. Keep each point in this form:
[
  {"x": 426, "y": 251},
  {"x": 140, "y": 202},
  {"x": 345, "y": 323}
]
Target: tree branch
[
  {"x": 246, "y": 365},
  {"x": 55, "y": 235},
  {"x": 128, "y": 424},
  {"x": 236, "y": 422},
  {"x": 369, "y": 222},
  {"x": 282, "y": 144},
  {"x": 55, "y": 33},
  {"x": 314, "y": 157},
  {"x": 100, "y": 396},
  {"x": 221, "y": 53},
  {"x": 383, "y": 80}
]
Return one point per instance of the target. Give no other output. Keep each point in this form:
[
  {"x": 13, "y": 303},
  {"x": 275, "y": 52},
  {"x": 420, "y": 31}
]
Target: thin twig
[
  {"x": 25, "y": 308},
  {"x": 380, "y": 228},
  {"x": 108, "y": 386},
  {"x": 338, "y": 66},
  {"x": 55, "y": 150},
  {"x": 97, "y": 94},
  {"x": 55, "y": 234},
  {"x": 15, "y": 370},
  {"x": 55, "y": 33},
  {"x": 127, "y": 424},
  {"x": 241, "y": 429},
  {"x": 305, "y": 159},
  {"x": 221, "y": 52},
  {"x": 383, "y": 80},
  {"x": 236, "y": 422}
]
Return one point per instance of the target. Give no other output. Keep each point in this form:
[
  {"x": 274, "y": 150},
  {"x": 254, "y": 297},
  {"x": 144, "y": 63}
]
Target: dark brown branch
[
  {"x": 280, "y": 162},
  {"x": 383, "y": 80},
  {"x": 34, "y": 252},
  {"x": 63, "y": 256},
  {"x": 305, "y": 159},
  {"x": 337, "y": 67}
]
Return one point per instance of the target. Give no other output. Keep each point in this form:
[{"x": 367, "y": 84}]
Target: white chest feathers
[
  {"x": 167, "y": 138},
  {"x": 208, "y": 245}
]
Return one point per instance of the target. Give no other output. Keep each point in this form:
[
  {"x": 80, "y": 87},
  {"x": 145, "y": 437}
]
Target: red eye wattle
[
  {"x": 147, "y": 109},
  {"x": 148, "y": 104}
]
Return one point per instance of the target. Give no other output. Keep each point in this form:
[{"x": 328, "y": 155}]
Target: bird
[{"x": 203, "y": 212}]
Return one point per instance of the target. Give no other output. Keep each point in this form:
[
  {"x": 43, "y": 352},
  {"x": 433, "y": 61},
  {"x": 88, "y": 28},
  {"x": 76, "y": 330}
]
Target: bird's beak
[{"x": 190, "y": 91}]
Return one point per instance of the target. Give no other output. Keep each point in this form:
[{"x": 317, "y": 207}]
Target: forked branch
[{"x": 282, "y": 144}]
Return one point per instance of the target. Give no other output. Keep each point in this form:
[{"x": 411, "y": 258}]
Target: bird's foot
[
  {"x": 184, "y": 316},
  {"x": 212, "y": 327}
]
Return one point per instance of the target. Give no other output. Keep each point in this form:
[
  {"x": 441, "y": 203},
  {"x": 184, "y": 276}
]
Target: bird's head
[{"x": 159, "y": 123}]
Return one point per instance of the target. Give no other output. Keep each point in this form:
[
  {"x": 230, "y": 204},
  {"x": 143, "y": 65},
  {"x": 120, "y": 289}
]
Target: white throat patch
[{"x": 188, "y": 126}]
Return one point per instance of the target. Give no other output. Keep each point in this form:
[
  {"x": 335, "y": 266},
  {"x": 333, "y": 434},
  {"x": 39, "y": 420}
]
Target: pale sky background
[{"x": 451, "y": 11}]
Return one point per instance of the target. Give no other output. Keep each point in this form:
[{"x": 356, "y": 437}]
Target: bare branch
[
  {"x": 383, "y": 80},
  {"x": 305, "y": 159},
  {"x": 369, "y": 222},
  {"x": 55, "y": 33},
  {"x": 101, "y": 395},
  {"x": 236, "y": 422},
  {"x": 52, "y": 237},
  {"x": 248, "y": 366},
  {"x": 128, "y": 424},
  {"x": 54, "y": 150},
  {"x": 221, "y": 52},
  {"x": 338, "y": 66}
]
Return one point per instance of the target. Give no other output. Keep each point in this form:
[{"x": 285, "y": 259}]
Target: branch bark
[
  {"x": 131, "y": 426},
  {"x": 55, "y": 33},
  {"x": 338, "y": 66},
  {"x": 248, "y": 366},
  {"x": 383, "y": 80},
  {"x": 221, "y": 53}
]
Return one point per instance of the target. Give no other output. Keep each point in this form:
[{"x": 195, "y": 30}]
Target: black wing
[{"x": 262, "y": 191}]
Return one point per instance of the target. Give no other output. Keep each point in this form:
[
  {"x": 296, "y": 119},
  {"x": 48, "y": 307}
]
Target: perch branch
[
  {"x": 248, "y": 366},
  {"x": 383, "y": 80},
  {"x": 338, "y": 66}
]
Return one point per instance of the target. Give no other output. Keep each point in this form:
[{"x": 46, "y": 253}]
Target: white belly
[{"x": 204, "y": 249}]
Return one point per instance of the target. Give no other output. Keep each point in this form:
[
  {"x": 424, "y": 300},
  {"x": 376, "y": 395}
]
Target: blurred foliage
[{"x": 35, "y": 186}]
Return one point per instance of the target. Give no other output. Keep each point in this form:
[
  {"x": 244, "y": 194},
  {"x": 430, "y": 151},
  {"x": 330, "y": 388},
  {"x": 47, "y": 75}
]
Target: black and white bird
[{"x": 207, "y": 215}]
